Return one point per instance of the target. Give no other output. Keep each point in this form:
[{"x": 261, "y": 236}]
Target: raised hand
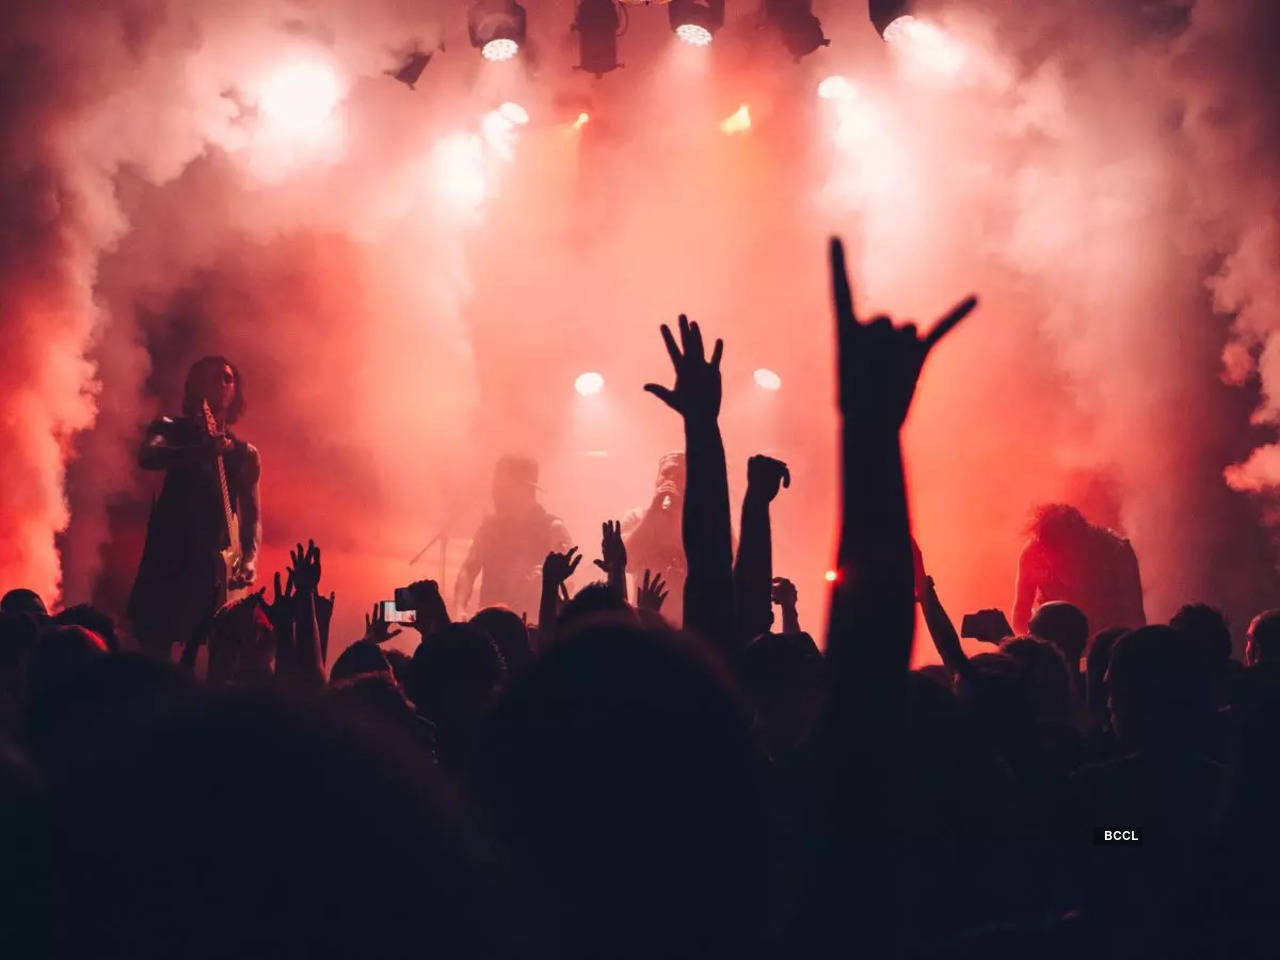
[
  {"x": 697, "y": 389},
  {"x": 304, "y": 567},
  {"x": 429, "y": 612},
  {"x": 559, "y": 567},
  {"x": 613, "y": 551},
  {"x": 878, "y": 365},
  {"x": 651, "y": 593},
  {"x": 765, "y": 476},
  {"x": 784, "y": 593},
  {"x": 376, "y": 628}
]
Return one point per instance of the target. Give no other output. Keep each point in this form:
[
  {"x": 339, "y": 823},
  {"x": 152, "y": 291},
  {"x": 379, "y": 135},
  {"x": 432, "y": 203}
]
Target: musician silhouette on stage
[{"x": 188, "y": 567}]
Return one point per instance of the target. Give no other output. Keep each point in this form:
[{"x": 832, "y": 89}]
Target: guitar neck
[{"x": 228, "y": 516}]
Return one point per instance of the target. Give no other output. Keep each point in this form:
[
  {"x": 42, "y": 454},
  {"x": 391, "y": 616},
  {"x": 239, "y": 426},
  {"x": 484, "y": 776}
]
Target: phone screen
[{"x": 392, "y": 614}]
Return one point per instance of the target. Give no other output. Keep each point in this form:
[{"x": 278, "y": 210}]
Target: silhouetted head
[
  {"x": 454, "y": 678},
  {"x": 1160, "y": 688},
  {"x": 22, "y": 600},
  {"x": 622, "y": 770},
  {"x": 217, "y": 380},
  {"x": 784, "y": 678},
  {"x": 1046, "y": 678},
  {"x": 515, "y": 483},
  {"x": 1057, "y": 524},
  {"x": 301, "y": 835},
  {"x": 1097, "y": 662},
  {"x": 1263, "y": 645},
  {"x": 61, "y": 654},
  {"x": 508, "y": 631},
  {"x": 91, "y": 618},
  {"x": 1065, "y": 626},
  {"x": 400, "y": 663},
  {"x": 1209, "y": 628},
  {"x": 591, "y": 601},
  {"x": 361, "y": 657}
]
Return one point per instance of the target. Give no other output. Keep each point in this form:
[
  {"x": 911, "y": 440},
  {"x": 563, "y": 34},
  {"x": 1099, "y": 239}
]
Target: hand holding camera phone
[{"x": 989, "y": 626}]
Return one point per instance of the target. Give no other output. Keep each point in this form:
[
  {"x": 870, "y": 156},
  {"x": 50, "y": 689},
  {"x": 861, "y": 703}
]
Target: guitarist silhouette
[{"x": 205, "y": 527}]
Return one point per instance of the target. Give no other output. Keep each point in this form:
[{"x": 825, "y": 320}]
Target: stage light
[
  {"x": 831, "y": 576},
  {"x": 496, "y": 28},
  {"x": 801, "y": 30},
  {"x": 582, "y": 120},
  {"x": 496, "y": 51},
  {"x": 766, "y": 379},
  {"x": 588, "y": 384},
  {"x": 514, "y": 113},
  {"x": 597, "y": 25},
  {"x": 696, "y": 23},
  {"x": 835, "y": 88},
  {"x": 298, "y": 98},
  {"x": 885, "y": 12},
  {"x": 737, "y": 122}
]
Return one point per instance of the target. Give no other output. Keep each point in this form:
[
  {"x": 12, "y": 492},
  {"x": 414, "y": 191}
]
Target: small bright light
[
  {"x": 588, "y": 384},
  {"x": 737, "y": 122},
  {"x": 298, "y": 98},
  {"x": 582, "y": 119},
  {"x": 514, "y": 112},
  {"x": 899, "y": 29},
  {"x": 499, "y": 50},
  {"x": 830, "y": 576},
  {"x": 694, "y": 34},
  {"x": 835, "y": 88},
  {"x": 766, "y": 379}
]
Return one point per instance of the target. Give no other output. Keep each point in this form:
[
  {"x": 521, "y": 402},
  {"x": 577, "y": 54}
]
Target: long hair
[
  {"x": 1057, "y": 523},
  {"x": 192, "y": 395}
]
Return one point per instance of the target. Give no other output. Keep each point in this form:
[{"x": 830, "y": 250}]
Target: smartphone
[
  {"x": 393, "y": 614},
  {"x": 990, "y": 626}
]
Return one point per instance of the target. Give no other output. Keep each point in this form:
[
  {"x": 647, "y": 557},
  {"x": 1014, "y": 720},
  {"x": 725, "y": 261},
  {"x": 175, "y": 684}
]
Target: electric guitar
[{"x": 230, "y": 586}]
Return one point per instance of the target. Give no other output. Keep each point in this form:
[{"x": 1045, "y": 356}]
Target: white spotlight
[
  {"x": 495, "y": 51},
  {"x": 693, "y": 34},
  {"x": 835, "y": 88},
  {"x": 766, "y": 379},
  {"x": 514, "y": 113},
  {"x": 298, "y": 97},
  {"x": 588, "y": 384}
]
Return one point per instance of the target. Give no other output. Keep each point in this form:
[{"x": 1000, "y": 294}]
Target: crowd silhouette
[{"x": 673, "y": 773}]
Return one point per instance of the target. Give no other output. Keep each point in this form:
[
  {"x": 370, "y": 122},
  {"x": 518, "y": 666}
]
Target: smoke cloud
[{"x": 410, "y": 281}]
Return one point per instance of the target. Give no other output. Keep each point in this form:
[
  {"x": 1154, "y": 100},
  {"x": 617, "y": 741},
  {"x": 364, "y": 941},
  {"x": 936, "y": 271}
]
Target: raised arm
[
  {"x": 708, "y": 590},
  {"x": 871, "y": 623},
  {"x": 163, "y": 447},
  {"x": 753, "y": 573},
  {"x": 872, "y": 605},
  {"x": 943, "y": 632}
]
